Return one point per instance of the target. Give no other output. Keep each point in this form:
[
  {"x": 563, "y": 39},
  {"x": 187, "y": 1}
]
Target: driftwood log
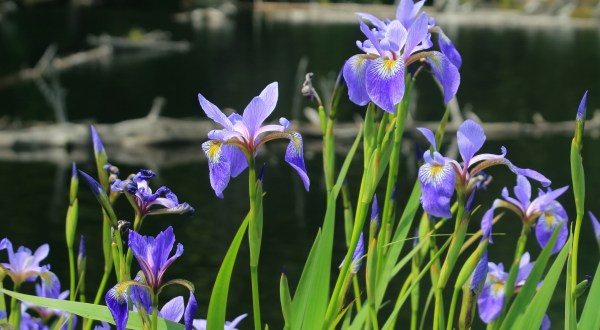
[{"x": 154, "y": 131}]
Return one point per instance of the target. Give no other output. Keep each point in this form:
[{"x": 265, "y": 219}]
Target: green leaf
[
  {"x": 534, "y": 315},
  {"x": 89, "y": 311},
  {"x": 286, "y": 300},
  {"x": 218, "y": 298},
  {"x": 521, "y": 303},
  {"x": 590, "y": 318},
  {"x": 312, "y": 292}
]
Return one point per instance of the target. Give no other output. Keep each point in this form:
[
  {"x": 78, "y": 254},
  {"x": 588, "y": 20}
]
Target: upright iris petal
[
  {"x": 229, "y": 149},
  {"x": 153, "y": 254}
]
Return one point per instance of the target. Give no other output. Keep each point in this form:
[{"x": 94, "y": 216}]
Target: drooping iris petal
[
  {"x": 294, "y": 155},
  {"x": 547, "y": 223},
  {"x": 437, "y": 178},
  {"x": 116, "y": 301},
  {"x": 173, "y": 309},
  {"x": 237, "y": 160},
  {"x": 470, "y": 138},
  {"x": 501, "y": 159},
  {"x": 490, "y": 301},
  {"x": 446, "y": 73},
  {"x": 190, "y": 311},
  {"x": 448, "y": 49},
  {"x": 218, "y": 165},
  {"x": 354, "y": 73},
  {"x": 213, "y": 112},
  {"x": 385, "y": 82}
]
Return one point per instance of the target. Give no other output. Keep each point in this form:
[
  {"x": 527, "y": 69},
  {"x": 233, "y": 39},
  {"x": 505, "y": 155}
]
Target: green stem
[
  {"x": 452, "y": 309},
  {"x": 154, "y": 311},
  {"x": 72, "y": 282},
  {"x": 458, "y": 238},
  {"x": 388, "y": 206},
  {"x": 254, "y": 238},
  {"x": 15, "y": 309}
]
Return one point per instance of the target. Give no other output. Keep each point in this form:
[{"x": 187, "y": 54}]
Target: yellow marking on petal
[
  {"x": 388, "y": 68},
  {"x": 497, "y": 289},
  {"x": 550, "y": 219}
]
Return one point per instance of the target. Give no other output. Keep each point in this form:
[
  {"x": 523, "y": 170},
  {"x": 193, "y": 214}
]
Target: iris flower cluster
[
  {"x": 24, "y": 265},
  {"x": 230, "y": 149},
  {"x": 146, "y": 202},
  {"x": 544, "y": 211},
  {"x": 152, "y": 254},
  {"x": 494, "y": 290},
  {"x": 440, "y": 176},
  {"x": 391, "y": 47}
]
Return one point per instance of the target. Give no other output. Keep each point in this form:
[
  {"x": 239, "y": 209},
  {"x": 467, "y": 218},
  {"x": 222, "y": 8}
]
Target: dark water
[{"x": 507, "y": 75}]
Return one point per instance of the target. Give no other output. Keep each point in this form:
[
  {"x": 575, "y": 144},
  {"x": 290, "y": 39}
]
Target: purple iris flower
[
  {"x": 153, "y": 257},
  {"x": 200, "y": 324},
  {"x": 544, "y": 209},
  {"x": 439, "y": 175},
  {"x": 229, "y": 149},
  {"x": 492, "y": 295},
  {"x": 146, "y": 200},
  {"x": 378, "y": 75},
  {"x": 23, "y": 265}
]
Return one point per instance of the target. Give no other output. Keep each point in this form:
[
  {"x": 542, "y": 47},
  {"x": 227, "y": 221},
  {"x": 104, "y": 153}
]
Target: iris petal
[
  {"x": 116, "y": 301},
  {"x": 446, "y": 73},
  {"x": 490, "y": 302},
  {"x": 294, "y": 155},
  {"x": 173, "y": 309},
  {"x": 437, "y": 185},
  {"x": 416, "y": 33},
  {"x": 237, "y": 159},
  {"x": 523, "y": 191},
  {"x": 354, "y": 72},
  {"x": 190, "y": 311},
  {"x": 385, "y": 82},
  {"x": 545, "y": 226},
  {"x": 470, "y": 138},
  {"x": 219, "y": 166},
  {"x": 448, "y": 49},
  {"x": 260, "y": 108},
  {"x": 213, "y": 112}
]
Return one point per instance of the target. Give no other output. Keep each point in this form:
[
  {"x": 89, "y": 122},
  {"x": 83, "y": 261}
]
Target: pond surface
[{"x": 507, "y": 75}]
